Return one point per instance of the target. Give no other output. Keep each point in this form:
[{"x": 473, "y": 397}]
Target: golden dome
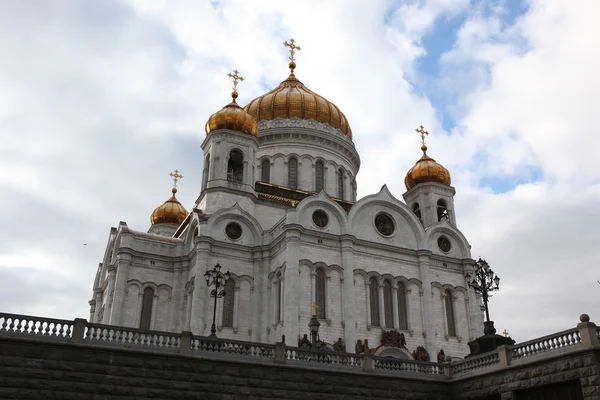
[
  {"x": 292, "y": 99},
  {"x": 233, "y": 117},
  {"x": 170, "y": 212},
  {"x": 426, "y": 169}
]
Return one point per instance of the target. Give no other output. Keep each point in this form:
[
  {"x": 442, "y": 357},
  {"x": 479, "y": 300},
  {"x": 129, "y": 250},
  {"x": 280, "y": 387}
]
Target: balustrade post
[
  {"x": 185, "y": 345},
  {"x": 368, "y": 363},
  {"x": 504, "y": 355},
  {"x": 587, "y": 332},
  {"x": 78, "y": 333},
  {"x": 449, "y": 369},
  {"x": 279, "y": 353}
]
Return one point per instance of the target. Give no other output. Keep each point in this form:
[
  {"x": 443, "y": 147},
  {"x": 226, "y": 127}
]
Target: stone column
[
  {"x": 154, "y": 307},
  {"x": 348, "y": 295},
  {"x": 381, "y": 306},
  {"x": 109, "y": 295},
  {"x": 98, "y": 308},
  {"x": 236, "y": 305},
  {"x": 258, "y": 293},
  {"x": 92, "y": 304},
  {"x": 368, "y": 296},
  {"x": 313, "y": 287},
  {"x": 188, "y": 312},
  {"x": 175, "y": 317},
  {"x": 428, "y": 327},
  {"x": 197, "y": 315},
  {"x": 327, "y": 304},
  {"x": 395, "y": 302},
  {"x": 117, "y": 310},
  {"x": 290, "y": 287}
]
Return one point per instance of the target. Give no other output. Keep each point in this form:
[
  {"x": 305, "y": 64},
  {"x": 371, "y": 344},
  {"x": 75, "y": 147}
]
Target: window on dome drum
[
  {"x": 235, "y": 167},
  {"x": 374, "y": 299},
  {"x": 417, "y": 210},
  {"x": 265, "y": 171},
  {"x": 442, "y": 209},
  {"x": 320, "y": 293},
  {"x": 402, "y": 314},
  {"x": 388, "y": 307},
  {"x": 228, "y": 301},
  {"x": 146, "y": 314},
  {"x": 450, "y": 313},
  {"x": 293, "y": 173},
  {"x": 341, "y": 184},
  {"x": 319, "y": 178}
]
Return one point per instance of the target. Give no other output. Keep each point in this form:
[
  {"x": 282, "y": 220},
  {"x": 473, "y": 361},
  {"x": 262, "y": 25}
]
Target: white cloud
[{"x": 99, "y": 101}]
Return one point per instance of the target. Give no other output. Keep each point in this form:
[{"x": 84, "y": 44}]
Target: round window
[
  {"x": 233, "y": 230},
  {"x": 384, "y": 224},
  {"x": 444, "y": 244},
  {"x": 320, "y": 218}
]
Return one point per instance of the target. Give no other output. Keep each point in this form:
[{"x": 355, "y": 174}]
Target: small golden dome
[
  {"x": 170, "y": 212},
  {"x": 233, "y": 117},
  {"x": 426, "y": 169},
  {"x": 292, "y": 99}
]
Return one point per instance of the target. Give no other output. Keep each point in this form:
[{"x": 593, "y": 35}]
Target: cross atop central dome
[{"x": 291, "y": 99}]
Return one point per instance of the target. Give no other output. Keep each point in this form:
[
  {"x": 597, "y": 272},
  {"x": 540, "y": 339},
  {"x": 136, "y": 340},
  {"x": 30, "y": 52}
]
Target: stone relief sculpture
[
  {"x": 441, "y": 357},
  {"x": 339, "y": 346},
  {"x": 421, "y": 354}
]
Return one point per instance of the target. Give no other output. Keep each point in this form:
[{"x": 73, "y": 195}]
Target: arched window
[
  {"x": 319, "y": 178},
  {"x": 279, "y": 293},
  {"x": 374, "y": 299},
  {"x": 341, "y": 184},
  {"x": 265, "y": 170},
  {"x": 235, "y": 167},
  {"x": 320, "y": 293},
  {"x": 206, "y": 171},
  {"x": 402, "y": 306},
  {"x": 417, "y": 210},
  {"x": 146, "y": 316},
  {"x": 442, "y": 209},
  {"x": 388, "y": 306},
  {"x": 293, "y": 173},
  {"x": 450, "y": 313},
  {"x": 228, "y": 302}
]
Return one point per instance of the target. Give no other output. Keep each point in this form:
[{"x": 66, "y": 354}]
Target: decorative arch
[
  {"x": 235, "y": 212},
  {"x": 393, "y": 352},
  {"x": 443, "y": 227},
  {"x": 323, "y": 201}
]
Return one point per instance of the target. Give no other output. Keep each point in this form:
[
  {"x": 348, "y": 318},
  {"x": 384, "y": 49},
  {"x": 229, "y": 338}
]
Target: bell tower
[{"x": 429, "y": 193}]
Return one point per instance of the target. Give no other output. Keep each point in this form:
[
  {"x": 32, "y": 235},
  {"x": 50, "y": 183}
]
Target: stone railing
[{"x": 586, "y": 336}]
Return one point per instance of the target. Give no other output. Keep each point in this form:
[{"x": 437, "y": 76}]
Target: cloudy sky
[{"x": 100, "y": 100}]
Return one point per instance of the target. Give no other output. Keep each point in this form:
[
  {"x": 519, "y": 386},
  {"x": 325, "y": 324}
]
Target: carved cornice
[{"x": 302, "y": 123}]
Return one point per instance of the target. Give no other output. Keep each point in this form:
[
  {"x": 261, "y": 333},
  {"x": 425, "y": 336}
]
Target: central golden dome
[{"x": 292, "y": 99}]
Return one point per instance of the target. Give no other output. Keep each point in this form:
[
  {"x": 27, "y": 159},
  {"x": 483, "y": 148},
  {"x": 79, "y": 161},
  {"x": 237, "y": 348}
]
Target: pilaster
[
  {"x": 428, "y": 326},
  {"x": 122, "y": 275},
  {"x": 197, "y": 314},
  {"x": 348, "y": 295},
  {"x": 290, "y": 289}
]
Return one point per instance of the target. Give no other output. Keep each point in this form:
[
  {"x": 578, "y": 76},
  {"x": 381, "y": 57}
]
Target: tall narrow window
[
  {"x": 442, "y": 209},
  {"x": 319, "y": 178},
  {"x": 279, "y": 310},
  {"x": 293, "y": 173},
  {"x": 402, "y": 306},
  {"x": 417, "y": 210},
  {"x": 320, "y": 293},
  {"x": 374, "y": 298},
  {"x": 235, "y": 167},
  {"x": 388, "y": 306},
  {"x": 206, "y": 171},
  {"x": 228, "y": 302},
  {"x": 450, "y": 313},
  {"x": 147, "y": 301},
  {"x": 341, "y": 184},
  {"x": 265, "y": 170}
]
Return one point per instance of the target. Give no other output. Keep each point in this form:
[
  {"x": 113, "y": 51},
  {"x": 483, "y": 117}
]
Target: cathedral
[{"x": 279, "y": 214}]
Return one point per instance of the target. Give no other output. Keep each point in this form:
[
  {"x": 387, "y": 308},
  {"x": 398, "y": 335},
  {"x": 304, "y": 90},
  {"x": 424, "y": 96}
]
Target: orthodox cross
[
  {"x": 421, "y": 131},
  {"x": 505, "y": 333},
  {"x": 236, "y": 78},
  {"x": 314, "y": 309},
  {"x": 176, "y": 176},
  {"x": 293, "y": 48}
]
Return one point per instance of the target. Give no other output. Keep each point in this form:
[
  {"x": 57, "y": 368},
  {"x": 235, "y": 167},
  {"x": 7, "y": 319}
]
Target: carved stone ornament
[
  {"x": 302, "y": 123},
  {"x": 393, "y": 339},
  {"x": 421, "y": 354},
  {"x": 339, "y": 346}
]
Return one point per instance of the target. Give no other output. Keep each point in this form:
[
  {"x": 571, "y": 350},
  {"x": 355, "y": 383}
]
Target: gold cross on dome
[
  {"x": 505, "y": 333},
  {"x": 314, "y": 309},
  {"x": 176, "y": 176},
  {"x": 293, "y": 48},
  {"x": 421, "y": 131},
  {"x": 236, "y": 78}
]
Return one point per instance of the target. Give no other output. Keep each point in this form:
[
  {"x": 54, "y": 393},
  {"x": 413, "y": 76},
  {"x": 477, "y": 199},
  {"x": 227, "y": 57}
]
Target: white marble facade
[{"x": 283, "y": 262}]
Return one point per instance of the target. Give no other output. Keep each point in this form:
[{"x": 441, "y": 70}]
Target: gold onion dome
[
  {"x": 292, "y": 99},
  {"x": 426, "y": 169},
  {"x": 232, "y": 116},
  {"x": 171, "y": 211}
]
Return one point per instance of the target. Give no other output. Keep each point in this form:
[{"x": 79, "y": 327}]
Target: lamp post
[
  {"x": 214, "y": 277},
  {"x": 484, "y": 281}
]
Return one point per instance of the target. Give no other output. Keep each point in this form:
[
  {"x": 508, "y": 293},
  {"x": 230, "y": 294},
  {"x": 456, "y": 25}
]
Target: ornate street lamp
[
  {"x": 216, "y": 278},
  {"x": 483, "y": 282}
]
